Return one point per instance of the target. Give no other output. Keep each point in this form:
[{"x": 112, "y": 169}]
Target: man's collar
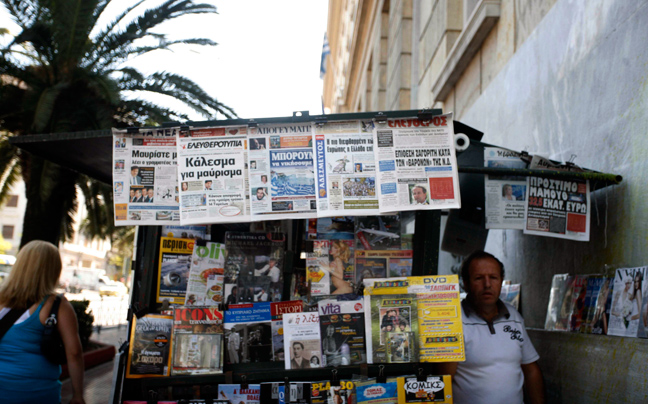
[{"x": 470, "y": 309}]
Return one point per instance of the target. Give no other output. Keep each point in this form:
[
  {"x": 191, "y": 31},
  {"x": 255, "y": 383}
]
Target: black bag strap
[
  {"x": 9, "y": 319},
  {"x": 52, "y": 320}
]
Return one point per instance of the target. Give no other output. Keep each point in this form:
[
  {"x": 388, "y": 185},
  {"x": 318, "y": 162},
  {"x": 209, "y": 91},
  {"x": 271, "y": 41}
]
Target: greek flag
[{"x": 326, "y": 50}]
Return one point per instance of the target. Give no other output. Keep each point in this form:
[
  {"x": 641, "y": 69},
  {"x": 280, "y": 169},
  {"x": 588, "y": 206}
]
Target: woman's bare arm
[{"x": 68, "y": 328}]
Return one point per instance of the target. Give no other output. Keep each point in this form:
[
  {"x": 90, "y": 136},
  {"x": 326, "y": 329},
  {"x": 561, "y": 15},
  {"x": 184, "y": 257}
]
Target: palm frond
[
  {"x": 165, "y": 45},
  {"x": 23, "y": 12},
  {"x": 142, "y": 113},
  {"x": 9, "y": 168},
  {"x": 75, "y": 20},
  {"x": 45, "y": 106}
]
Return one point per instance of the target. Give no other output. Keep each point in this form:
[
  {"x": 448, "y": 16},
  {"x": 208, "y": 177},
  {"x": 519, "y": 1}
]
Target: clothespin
[
  {"x": 421, "y": 375},
  {"x": 244, "y": 383},
  {"x": 381, "y": 378},
  {"x": 334, "y": 378},
  {"x": 286, "y": 390},
  {"x": 152, "y": 397},
  {"x": 380, "y": 117},
  {"x": 165, "y": 304}
]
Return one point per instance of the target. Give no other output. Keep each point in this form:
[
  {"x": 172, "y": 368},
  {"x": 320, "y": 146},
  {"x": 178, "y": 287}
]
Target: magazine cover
[
  {"x": 173, "y": 269},
  {"x": 389, "y": 313},
  {"x": 299, "y": 285},
  {"x": 369, "y": 267},
  {"x": 578, "y": 302},
  {"x": 277, "y": 311},
  {"x": 236, "y": 395},
  {"x": 330, "y": 268},
  {"x": 197, "y": 341},
  {"x": 302, "y": 341},
  {"x": 370, "y": 392},
  {"x": 254, "y": 267},
  {"x": 510, "y": 294},
  {"x": 603, "y": 304},
  {"x": 248, "y": 333},
  {"x": 371, "y": 264},
  {"x": 335, "y": 228},
  {"x": 320, "y": 391},
  {"x": 205, "y": 285},
  {"x": 565, "y": 305},
  {"x": 558, "y": 285},
  {"x": 378, "y": 232},
  {"x": 342, "y": 331},
  {"x": 194, "y": 232},
  {"x": 150, "y": 345},
  {"x": 627, "y": 302},
  {"x": 317, "y": 268},
  {"x": 594, "y": 283},
  {"x": 436, "y": 389},
  {"x": 275, "y": 393},
  {"x": 342, "y": 394}
]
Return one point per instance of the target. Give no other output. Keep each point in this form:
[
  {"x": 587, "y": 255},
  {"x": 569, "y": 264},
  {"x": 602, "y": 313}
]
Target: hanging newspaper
[
  {"x": 346, "y": 169},
  {"x": 145, "y": 188},
  {"x": 557, "y": 207},
  {"x": 282, "y": 182},
  {"x": 212, "y": 175},
  {"x": 417, "y": 165},
  {"x": 505, "y": 194}
]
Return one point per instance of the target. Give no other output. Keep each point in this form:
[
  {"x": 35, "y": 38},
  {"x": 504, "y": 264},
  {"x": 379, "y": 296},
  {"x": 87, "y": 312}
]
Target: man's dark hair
[
  {"x": 298, "y": 343},
  {"x": 257, "y": 190},
  {"x": 476, "y": 255}
]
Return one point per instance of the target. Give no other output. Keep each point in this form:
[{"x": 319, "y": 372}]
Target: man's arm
[{"x": 533, "y": 383}]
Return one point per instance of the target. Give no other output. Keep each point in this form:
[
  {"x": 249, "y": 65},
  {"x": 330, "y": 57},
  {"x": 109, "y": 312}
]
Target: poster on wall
[
  {"x": 345, "y": 168},
  {"x": 557, "y": 207},
  {"x": 145, "y": 177},
  {"x": 212, "y": 175},
  {"x": 282, "y": 181},
  {"x": 505, "y": 194},
  {"x": 417, "y": 164}
]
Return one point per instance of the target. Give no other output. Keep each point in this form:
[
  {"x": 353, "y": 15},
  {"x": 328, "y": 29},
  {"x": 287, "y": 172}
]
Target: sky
[{"x": 266, "y": 63}]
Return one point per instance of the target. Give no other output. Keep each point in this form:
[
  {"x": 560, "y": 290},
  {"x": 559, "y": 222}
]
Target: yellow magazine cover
[
  {"x": 150, "y": 345},
  {"x": 173, "y": 269},
  {"x": 434, "y": 389}
]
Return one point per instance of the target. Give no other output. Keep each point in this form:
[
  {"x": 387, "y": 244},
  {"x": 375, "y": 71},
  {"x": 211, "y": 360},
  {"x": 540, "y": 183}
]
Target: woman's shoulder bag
[{"x": 52, "y": 346}]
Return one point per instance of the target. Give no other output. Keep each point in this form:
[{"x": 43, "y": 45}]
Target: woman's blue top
[{"x": 25, "y": 375}]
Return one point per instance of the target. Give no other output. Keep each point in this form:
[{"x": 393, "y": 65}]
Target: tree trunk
[{"x": 51, "y": 195}]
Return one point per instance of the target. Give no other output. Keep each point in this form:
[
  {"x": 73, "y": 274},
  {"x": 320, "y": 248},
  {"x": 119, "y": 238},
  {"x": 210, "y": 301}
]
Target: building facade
[{"x": 566, "y": 79}]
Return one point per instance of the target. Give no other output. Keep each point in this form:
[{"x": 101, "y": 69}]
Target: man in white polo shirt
[{"x": 500, "y": 358}]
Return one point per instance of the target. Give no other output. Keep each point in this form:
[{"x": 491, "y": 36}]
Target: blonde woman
[
  {"x": 341, "y": 253},
  {"x": 26, "y": 376}
]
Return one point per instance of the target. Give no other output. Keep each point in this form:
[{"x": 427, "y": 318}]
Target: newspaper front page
[
  {"x": 345, "y": 169},
  {"x": 282, "y": 182},
  {"x": 505, "y": 195},
  {"x": 417, "y": 164},
  {"x": 555, "y": 207},
  {"x": 145, "y": 177},
  {"x": 212, "y": 175}
]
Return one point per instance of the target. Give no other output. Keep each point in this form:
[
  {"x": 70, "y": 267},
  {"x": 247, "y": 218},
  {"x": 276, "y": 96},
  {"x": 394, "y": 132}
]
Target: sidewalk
[{"x": 98, "y": 380}]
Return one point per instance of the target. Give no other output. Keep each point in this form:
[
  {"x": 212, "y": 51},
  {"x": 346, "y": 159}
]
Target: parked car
[{"x": 111, "y": 288}]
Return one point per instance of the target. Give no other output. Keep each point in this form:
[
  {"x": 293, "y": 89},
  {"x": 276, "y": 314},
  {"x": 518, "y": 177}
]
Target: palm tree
[{"x": 63, "y": 73}]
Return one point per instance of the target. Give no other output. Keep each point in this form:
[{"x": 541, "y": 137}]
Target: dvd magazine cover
[
  {"x": 205, "y": 285},
  {"x": 342, "y": 332},
  {"x": 150, "y": 345},
  {"x": 393, "y": 323},
  {"x": 435, "y": 389},
  {"x": 248, "y": 333},
  {"x": 630, "y": 288},
  {"x": 254, "y": 267},
  {"x": 197, "y": 341},
  {"x": 277, "y": 310},
  {"x": 234, "y": 394}
]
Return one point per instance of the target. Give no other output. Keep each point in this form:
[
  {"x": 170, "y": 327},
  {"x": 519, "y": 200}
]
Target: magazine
[
  {"x": 173, "y": 269},
  {"x": 277, "y": 311},
  {"x": 565, "y": 305},
  {"x": 390, "y": 315},
  {"x": 342, "y": 331},
  {"x": 382, "y": 263},
  {"x": 254, "y": 267},
  {"x": 299, "y": 285},
  {"x": 601, "y": 319},
  {"x": 342, "y": 394},
  {"x": 378, "y": 232},
  {"x": 236, "y": 395},
  {"x": 435, "y": 389},
  {"x": 248, "y": 333},
  {"x": 150, "y": 345},
  {"x": 330, "y": 268},
  {"x": 627, "y": 302},
  {"x": 558, "y": 286},
  {"x": 205, "y": 285},
  {"x": 197, "y": 341},
  {"x": 195, "y": 232},
  {"x": 275, "y": 393},
  {"x": 302, "y": 341},
  {"x": 335, "y": 228},
  {"x": 594, "y": 283},
  {"x": 510, "y": 294},
  {"x": 370, "y": 392},
  {"x": 578, "y": 304}
]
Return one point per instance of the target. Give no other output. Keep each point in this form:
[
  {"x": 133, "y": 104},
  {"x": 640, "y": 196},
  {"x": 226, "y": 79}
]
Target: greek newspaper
[
  {"x": 345, "y": 169},
  {"x": 144, "y": 177},
  {"x": 282, "y": 182},
  {"x": 505, "y": 195},
  {"x": 556, "y": 207},
  {"x": 212, "y": 175},
  {"x": 417, "y": 165}
]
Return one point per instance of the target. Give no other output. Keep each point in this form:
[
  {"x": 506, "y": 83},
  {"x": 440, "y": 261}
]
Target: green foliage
[{"x": 85, "y": 318}]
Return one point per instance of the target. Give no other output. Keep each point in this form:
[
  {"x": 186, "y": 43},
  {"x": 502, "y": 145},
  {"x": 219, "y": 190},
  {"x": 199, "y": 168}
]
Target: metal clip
[
  {"x": 421, "y": 376},
  {"x": 334, "y": 378},
  {"x": 244, "y": 382},
  {"x": 380, "y": 117},
  {"x": 381, "y": 375}
]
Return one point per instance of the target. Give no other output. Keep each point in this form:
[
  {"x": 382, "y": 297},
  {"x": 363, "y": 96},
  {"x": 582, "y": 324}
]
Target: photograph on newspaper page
[
  {"x": 417, "y": 164},
  {"x": 212, "y": 175},
  {"x": 557, "y": 207},
  {"x": 345, "y": 168},
  {"x": 505, "y": 194},
  {"x": 145, "y": 190},
  {"x": 282, "y": 181}
]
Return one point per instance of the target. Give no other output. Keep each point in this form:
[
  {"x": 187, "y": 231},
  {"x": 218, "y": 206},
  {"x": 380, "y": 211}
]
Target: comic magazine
[
  {"x": 173, "y": 269},
  {"x": 370, "y": 392},
  {"x": 150, "y": 346},
  {"x": 594, "y": 283},
  {"x": 378, "y": 232},
  {"x": 578, "y": 305},
  {"x": 248, "y": 333},
  {"x": 302, "y": 344},
  {"x": 205, "y": 285},
  {"x": 197, "y": 341},
  {"x": 277, "y": 310},
  {"x": 601, "y": 319},
  {"x": 254, "y": 267},
  {"x": 236, "y": 395},
  {"x": 275, "y": 393},
  {"x": 342, "y": 331},
  {"x": 435, "y": 389},
  {"x": 558, "y": 287},
  {"x": 630, "y": 288}
]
